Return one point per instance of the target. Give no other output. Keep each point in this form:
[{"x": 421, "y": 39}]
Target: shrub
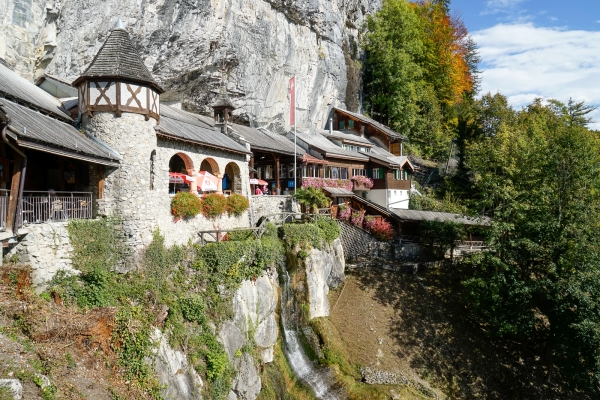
[
  {"x": 381, "y": 229},
  {"x": 330, "y": 230},
  {"x": 237, "y": 204},
  {"x": 185, "y": 205},
  {"x": 363, "y": 181},
  {"x": 192, "y": 309},
  {"x": 369, "y": 220},
  {"x": 357, "y": 218},
  {"x": 213, "y": 205},
  {"x": 312, "y": 198},
  {"x": 344, "y": 212}
]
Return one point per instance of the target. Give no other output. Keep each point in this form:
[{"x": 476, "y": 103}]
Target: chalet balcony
[{"x": 39, "y": 207}]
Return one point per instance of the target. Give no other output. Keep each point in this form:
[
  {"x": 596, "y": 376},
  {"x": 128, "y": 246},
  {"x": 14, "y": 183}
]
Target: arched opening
[
  {"x": 232, "y": 180},
  {"x": 181, "y": 169},
  {"x": 210, "y": 165}
]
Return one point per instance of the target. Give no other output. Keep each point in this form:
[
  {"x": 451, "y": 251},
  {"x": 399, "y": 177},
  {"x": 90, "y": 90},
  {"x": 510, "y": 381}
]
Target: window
[
  {"x": 335, "y": 173},
  {"x": 152, "y": 168},
  {"x": 351, "y": 124},
  {"x": 358, "y": 172},
  {"x": 361, "y": 148},
  {"x": 344, "y": 147},
  {"x": 312, "y": 171},
  {"x": 282, "y": 170},
  {"x": 304, "y": 171},
  {"x": 397, "y": 174},
  {"x": 405, "y": 175},
  {"x": 291, "y": 171},
  {"x": 376, "y": 173},
  {"x": 344, "y": 173},
  {"x": 269, "y": 172},
  {"x": 342, "y": 125},
  {"x": 327, "y": 172}
]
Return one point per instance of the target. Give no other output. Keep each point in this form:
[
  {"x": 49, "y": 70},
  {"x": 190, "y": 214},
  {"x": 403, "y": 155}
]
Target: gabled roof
[
  {"x": 345, "y": 136},
  {"x": 18, "y": 89},
  {"x": 182, "y": 125},
  {"x": 264, "y": 140},
  {"x": 371, "y": 122},
  {"x": 37, "y": 131},
  {"x": 320, "y": 143},
  {"x": 381, "y": 156},
  {"x": 117, "y": 58}
]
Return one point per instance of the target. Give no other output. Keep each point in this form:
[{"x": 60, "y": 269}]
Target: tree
[
  {"x": 420, "y": 63},
  {"x": 312, "y": 198},
  {"x": 537, "y": 174}
]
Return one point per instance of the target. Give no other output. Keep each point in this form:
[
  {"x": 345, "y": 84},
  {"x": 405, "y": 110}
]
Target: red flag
[{"x": 293, "y": 101}]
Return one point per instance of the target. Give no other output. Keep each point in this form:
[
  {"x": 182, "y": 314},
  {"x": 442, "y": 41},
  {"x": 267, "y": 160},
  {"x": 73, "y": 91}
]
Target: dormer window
[
  {"x": 351, "y": 124},
  {"x": 342, "y": 125}
]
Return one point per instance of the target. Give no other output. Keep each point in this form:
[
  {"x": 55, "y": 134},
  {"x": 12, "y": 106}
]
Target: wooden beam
[
  {"x": 277, "y": 177},
  {"x": 100, "y": 181},
  {"x": 14, "y": 193}
]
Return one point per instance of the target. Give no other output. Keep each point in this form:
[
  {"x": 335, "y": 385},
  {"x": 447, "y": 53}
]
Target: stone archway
[
  {"x": 233, "y": 179},
  {"x": 182, "y": 163},
  {"x": 210, "y": 165}
]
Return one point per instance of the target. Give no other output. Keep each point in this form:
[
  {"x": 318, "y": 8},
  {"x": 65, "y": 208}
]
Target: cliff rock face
[
  {"x": 324, "y": 269},
  {"x": 259, "y": 44},
  {"x": 254, "y": 324}
]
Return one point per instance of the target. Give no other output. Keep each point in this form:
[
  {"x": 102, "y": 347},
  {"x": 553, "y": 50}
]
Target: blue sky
[{"x": 535, "y": 48}]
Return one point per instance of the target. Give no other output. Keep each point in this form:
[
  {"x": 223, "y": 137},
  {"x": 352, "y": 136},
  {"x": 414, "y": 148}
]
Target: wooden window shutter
[{"x": 381, "y": 173}]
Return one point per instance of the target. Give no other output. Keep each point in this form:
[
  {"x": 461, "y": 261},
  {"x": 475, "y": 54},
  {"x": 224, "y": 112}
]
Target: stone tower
[{"x": 119, "y": 104}]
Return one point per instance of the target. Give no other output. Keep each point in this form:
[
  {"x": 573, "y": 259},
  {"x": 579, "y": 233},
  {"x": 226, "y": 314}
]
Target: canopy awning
[
  {"x": 178, "y": 177},
  {"x": 207, "y": 182}
]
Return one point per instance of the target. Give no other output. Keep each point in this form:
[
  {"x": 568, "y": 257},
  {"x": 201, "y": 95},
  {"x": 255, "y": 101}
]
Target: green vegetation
[
  {"x": 311, "y": 235},
  {"x": 237, "y": 204},
  {"x": 214, "y": 205},
  {"x": 185, "y": 205},
  {"x": 312, "y": 198},
  {"x": 193, "y": 283},
  {"x": 420, "y": 72}
]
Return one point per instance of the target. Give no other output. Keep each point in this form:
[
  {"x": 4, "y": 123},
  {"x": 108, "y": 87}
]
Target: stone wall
[
  {"x": 47, "y": 248},
  {"x": 267, "y": 205},
  {"x": 138, "y": 191}
]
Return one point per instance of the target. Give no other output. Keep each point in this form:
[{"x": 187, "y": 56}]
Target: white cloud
[
  {"x": 523, "y": 61},
  {"x": 501, "y": 6}
]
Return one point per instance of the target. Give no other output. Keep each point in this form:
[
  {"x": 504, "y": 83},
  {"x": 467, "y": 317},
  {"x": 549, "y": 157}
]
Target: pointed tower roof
[
  {"x": 222, "y": 100},
  {"x": 117, "y": 58}
]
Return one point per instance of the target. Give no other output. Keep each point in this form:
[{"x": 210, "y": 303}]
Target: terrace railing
[
  {"x": 4, "y": 194},
  {"x": 38, "y": 207}
]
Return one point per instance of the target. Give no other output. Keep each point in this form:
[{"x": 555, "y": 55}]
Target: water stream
[{"x": 319, "y": 379}]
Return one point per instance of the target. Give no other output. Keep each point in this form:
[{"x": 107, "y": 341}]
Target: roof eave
[
  {"x": 173, "y": 137},
  {"x": 83, "y": 78}
]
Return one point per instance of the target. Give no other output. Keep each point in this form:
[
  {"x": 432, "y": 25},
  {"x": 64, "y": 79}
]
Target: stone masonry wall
[
  {"x": 46, "y": 247},
  {"x": 266, "y": 205}
]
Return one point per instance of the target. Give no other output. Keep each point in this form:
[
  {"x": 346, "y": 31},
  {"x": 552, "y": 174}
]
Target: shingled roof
[{"x": 117, "y": 58}]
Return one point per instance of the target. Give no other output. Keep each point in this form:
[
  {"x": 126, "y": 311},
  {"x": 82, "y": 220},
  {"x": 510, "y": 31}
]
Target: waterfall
[{"x": 319, "y": 379}]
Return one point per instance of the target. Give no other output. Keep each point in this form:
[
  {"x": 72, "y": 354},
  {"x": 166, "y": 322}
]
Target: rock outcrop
[
  {"x": 259, "y": 44},
  {"x": 177, "y": 377},
  {"x": 253, "y": 325},
  {"x": 324, "y": 269}
]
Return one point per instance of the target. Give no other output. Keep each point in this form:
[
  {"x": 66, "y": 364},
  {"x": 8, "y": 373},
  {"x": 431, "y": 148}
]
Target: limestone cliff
[{"x": 260, "y": 44}]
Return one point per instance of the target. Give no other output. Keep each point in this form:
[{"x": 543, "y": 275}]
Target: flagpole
[{"x": 295, "y": 145}]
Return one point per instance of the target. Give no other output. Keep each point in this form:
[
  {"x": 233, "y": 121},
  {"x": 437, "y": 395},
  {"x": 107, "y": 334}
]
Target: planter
[{"x": 361, "y": 187}]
